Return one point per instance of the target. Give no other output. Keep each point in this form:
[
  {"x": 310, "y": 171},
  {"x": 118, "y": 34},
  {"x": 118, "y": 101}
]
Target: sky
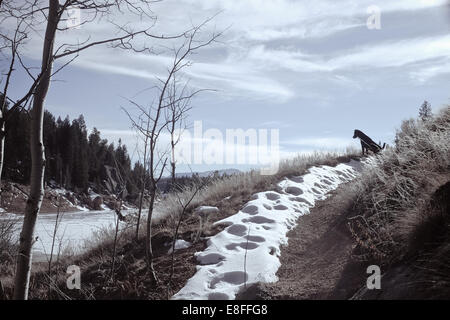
[{"x": 313, "y": 70}]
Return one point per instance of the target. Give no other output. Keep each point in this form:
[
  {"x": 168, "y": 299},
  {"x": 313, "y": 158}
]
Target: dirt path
[{"x": 317, "y": 263}]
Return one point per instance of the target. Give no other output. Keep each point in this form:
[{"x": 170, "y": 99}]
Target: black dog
[{"x": 367, "y": 143}]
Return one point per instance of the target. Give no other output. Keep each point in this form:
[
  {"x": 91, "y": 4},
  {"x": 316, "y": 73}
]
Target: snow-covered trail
[{"x": 248, "y": 250}]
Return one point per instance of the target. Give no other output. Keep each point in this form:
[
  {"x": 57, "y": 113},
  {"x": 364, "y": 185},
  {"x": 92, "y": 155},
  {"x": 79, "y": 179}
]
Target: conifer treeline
[{"x": 75, "y": 158}]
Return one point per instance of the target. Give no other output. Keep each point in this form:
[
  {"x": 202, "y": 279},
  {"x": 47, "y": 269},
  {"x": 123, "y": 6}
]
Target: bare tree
[
  {"x": 179, "y": 106},
  {"x": 116, "y": 185},
  {"x": 156, "y": 115},
  {"x": 156, "y": 165},
  {"x": 54, "y": 15},
  {"x": 144, "y": 177}
]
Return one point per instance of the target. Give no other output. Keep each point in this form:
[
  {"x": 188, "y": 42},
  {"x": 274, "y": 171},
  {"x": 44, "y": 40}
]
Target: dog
[{"x": 367, "y": 143}]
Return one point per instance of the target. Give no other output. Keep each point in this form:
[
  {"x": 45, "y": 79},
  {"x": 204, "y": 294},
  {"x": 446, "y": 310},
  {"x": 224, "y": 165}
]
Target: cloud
[
  {"x": 394, "y": 54},
  {"x": 322, "y": 143},
  {"x": 428, "y": 72},
  {"x": 251, "y": 64}
]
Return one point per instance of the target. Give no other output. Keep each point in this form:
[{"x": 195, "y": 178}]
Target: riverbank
[{"x": 56, "y": 199}]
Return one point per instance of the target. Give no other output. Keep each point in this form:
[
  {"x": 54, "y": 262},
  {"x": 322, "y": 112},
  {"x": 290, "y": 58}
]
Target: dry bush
[
  {"x": 8, "y": 243},
  {"x": 392, "y": 196}
]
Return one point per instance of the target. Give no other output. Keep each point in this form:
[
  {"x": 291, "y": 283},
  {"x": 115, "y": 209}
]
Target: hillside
[{"x": 393, "y": 214}]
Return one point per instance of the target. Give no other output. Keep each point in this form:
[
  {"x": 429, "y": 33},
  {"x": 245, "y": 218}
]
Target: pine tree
[{"x": 425, "y": 112}]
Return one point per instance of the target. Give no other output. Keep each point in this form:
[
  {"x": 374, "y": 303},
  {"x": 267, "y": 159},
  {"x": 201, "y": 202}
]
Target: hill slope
[{"x": 395, "y": 215}]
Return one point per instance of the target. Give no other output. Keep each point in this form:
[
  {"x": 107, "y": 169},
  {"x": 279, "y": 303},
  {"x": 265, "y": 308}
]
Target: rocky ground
[{"x": 14, "y": 196}]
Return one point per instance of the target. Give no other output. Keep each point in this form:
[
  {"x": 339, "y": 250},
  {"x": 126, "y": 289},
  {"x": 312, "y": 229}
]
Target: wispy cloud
[
  {"x": 329, "y": 143},
  {"x": 394, "y": 54},
  {"x": 250, "y": 64}
]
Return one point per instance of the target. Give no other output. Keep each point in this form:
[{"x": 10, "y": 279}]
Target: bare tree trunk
[
  {"x": 2, "y": 125},
  {"x": 172, "y": 146},
  {"x": 2, "y": 147},
  {"x": 34, "y": 201},
  {"x": 148, "y": 242},
  {"x": 144, "y": 179},
  {"x": 116, "y": 232},
  {"x": 141, "y": 202}
]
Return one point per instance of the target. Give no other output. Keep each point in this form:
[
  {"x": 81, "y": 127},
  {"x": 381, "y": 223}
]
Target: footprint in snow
[
  {"x": 244, "y": 245},
  {"x": 237, "y": 230},
  {"x": 295, "y": 191},
  {"x": 256, "y": 238},
  {"x": 259, "y": 220},
  {"x": 250, "y": 209},
  {"x": 233, "y": 277},
  {"x": 211, "y": 258},
  {"x": 272, "y": 196}
]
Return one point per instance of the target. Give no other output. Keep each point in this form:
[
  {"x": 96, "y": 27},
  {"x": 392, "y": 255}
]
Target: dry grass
[
  {"x": 392, "y": 199},
  {"x": 8, "y": 250}
]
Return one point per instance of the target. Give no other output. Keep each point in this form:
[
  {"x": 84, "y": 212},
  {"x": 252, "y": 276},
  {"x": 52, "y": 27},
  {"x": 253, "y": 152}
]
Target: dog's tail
[{"x": 382, "y": 147}]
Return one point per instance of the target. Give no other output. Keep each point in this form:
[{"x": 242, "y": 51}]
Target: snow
[
  {"x": 125, "y": 207},
  {"x": 206, "y": 210},
  {"x": 84, "y": 209},
  {"x": 180, "y": 244},
  {"x": 74, "y": 229},
  {"x": 248, "y": 249},
  {"x": 93, "y": 195}
]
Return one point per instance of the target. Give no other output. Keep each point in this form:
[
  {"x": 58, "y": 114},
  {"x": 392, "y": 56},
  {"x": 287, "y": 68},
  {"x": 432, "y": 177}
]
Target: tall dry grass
[{"x": 392, "y": 198}]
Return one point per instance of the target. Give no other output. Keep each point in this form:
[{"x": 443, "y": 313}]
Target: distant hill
[{"x": 205, "y": 174}]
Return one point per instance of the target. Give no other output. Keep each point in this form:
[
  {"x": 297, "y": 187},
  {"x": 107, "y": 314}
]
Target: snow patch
[
  {"x": 248, "y": 249},
  {"x": 180, "y": 244},
  {"x": 206, "y": 210},
  {"x": 82, "y": 208}
]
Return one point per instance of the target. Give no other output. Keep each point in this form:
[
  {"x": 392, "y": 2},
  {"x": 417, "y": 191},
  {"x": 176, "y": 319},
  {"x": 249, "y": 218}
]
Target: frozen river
[{"x": 74, "y": 228}]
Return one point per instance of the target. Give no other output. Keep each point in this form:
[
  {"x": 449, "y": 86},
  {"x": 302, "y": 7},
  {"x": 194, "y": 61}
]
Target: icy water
[{"x": 74, "y": 228}]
